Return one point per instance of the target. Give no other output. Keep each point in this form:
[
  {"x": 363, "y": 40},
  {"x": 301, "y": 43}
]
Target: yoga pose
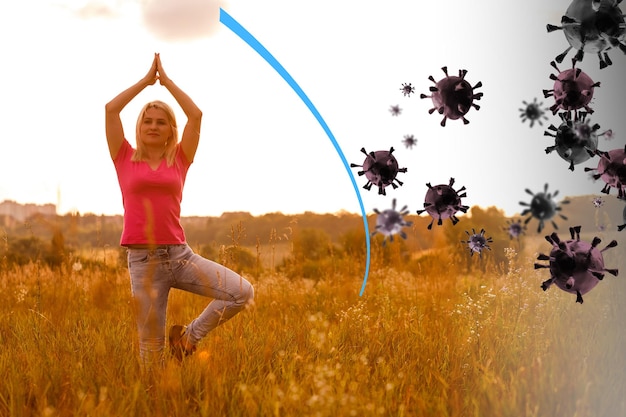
[{"x": 151, "y": 179}]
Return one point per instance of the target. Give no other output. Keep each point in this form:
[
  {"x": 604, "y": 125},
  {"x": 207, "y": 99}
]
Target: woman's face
[{"x": 155, "y": 128}]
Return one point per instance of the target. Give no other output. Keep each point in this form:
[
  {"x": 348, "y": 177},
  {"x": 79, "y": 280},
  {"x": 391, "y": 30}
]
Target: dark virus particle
[
  {"x": 576, "y": 266},
  {"x": 390, "y": 222},
  {"x": 407, "y": 89},
  {"x": 597, "y": 202},
  {"x": 442, "y": 202},
  {"x": 533, "y": 112},
  {"x": 612, "y": 169},
  {"x": 395, "y": 110},
  {"x": 453, "y": 96},
  {"x": 477, "y": 242},
  {"x": 622, "y": 226},
  {"x": 409, "y": 141},
  {"x": 542, "y": 207},
  {"x": 574, "y": 140},
  {"x": 515, "y": 228},
  {"x": 380, "y": 169},
  {"x": 572, "y": 90},
  {"x": 593, "y": 26}
]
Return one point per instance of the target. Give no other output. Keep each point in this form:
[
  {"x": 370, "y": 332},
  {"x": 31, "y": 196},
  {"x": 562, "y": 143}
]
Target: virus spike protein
[
  {"x": 576, "y": 266},
  {"x": 453, "y": 96},
  {"x": 542, "y": 207},
  {"x": 380, "y": 168},
  {"x": 572, "y": 90},
  {"x": 442, "y": 202},
  {"x": 390, "y": 222},
  {"x": 612, "y": 169},
  {"x": 592, "y": 27}
]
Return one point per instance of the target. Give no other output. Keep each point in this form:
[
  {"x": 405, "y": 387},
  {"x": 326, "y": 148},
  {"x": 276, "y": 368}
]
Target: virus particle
[
  {"x": 597, "y": 202},
  {"x": 533, "y": 112},
  {"x": 442, "y": 202},
  {"x": 390, "y": 222},
  {"x": 395, "y": 110},
  {"x": 407, "y": 89},
  {"x": 409, "y": 141},
  {"x": 574, "y": 140},
  {"x": 612, "y": 169},
  {"x": 575, "y": 266},
  {"x": 622, "y": 226},
  {"x": 453, "y": 96},
  {"x": 592, "y": 26},
  {"x": 515, "y": 228},
  {"x": 380, "y": 169},
  {"x": 572, "y": 90},
  {"x": 477, "y": 242},
  {"x": 542, "y": 207}
]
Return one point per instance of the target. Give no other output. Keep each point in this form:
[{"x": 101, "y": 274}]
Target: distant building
[{"x": 21, "y": 212}]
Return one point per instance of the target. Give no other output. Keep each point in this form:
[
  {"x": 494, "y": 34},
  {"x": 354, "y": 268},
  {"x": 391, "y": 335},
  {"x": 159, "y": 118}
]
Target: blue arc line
[{"x": 240, "y": 31}]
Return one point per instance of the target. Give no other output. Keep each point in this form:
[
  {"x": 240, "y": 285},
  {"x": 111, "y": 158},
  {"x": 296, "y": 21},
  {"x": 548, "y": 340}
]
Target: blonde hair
[{"x": 170, "y": 146}]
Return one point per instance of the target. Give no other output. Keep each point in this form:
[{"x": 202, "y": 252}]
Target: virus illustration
[
  {"x": 442, "y": 202},
  {"x": 409, "y": 141},
  {"x": 592, "y": 26},
  {"x": 380, "y": 169},
  {"x": 576, "y": 266},
  {"x": 395, "y": 110},
  {"x": 533, "y": 112},
  {"x": 597, "y": 202},
  {"x": 515, "y": 229},
  {"x": 612, "y": 169},
  {"x": 574, "y": 140},
  {"x": 390, "y": 222},
  {"x": 477, "y": 242},
  {"x": 542, "y": 207},
  {"x": 572, "y": 90},
  {"x": 407, "y": 89},
  {"x": 453, "y": 96}
]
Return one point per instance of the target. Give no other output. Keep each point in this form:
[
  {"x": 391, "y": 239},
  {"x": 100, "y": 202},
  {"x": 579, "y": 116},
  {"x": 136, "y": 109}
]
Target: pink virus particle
[
  {"x": 395, "y": 110},
  {"x": 575, "y": 141},
  {"x": 407, "y": 89},
  {"x": 443, "y": 202},
  {"x": 515, "y": 228},
  {"x": 477, "y": 242},
  {"x": 453, "y": 96},
  {"x": 597, "y": 202},
  {"x": 533, "y": 111},
  {"x": 612, "y": 170},
  {"x": 592, "y": 26},
  {"x": 576, "y": 266},
  {"x": 409, "y": 141},
  {"x": 390, "y": 222},
  {"x": 380, "y": 168},
  {"x": 572, "y": 90},
  {"x": 543, "y": 208}
]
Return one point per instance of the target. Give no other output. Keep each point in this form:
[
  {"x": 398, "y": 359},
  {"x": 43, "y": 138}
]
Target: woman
[{"x": 151, "y": 179}]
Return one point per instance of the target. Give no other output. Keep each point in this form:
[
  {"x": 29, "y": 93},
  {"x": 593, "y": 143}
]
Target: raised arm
[
  {"x": 191, "y": 132},
  {"x": 114, "y": 129}
]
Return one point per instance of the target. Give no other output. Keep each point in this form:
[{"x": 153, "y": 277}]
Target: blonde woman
[{"x": 151, "y": 180}]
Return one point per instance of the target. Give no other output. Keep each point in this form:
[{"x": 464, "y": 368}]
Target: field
[{"x": 434, "y": 344}]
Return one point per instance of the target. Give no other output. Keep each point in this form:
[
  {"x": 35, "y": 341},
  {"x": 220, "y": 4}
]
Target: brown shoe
[{"x": 179, "y": 347}]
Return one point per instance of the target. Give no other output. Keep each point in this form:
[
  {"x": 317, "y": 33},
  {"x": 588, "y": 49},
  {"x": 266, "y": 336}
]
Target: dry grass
[{"x": 481, "y": 345}]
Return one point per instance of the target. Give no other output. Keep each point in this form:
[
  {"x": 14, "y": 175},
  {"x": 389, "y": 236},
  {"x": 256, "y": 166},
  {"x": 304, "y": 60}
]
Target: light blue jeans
[{"x": 154, "y": 272}]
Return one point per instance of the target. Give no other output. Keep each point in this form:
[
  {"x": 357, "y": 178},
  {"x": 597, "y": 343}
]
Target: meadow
[{"x": 432, "y": 342}]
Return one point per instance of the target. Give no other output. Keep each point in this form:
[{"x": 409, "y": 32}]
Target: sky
[{"x": 261, "y": 149}]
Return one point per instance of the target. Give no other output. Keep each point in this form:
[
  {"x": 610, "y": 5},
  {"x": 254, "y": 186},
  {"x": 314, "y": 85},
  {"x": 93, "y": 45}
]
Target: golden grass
[{"x": 479, "y": 345}]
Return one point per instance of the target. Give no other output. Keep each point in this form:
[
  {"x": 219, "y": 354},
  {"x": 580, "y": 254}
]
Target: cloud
[
  {"x": 180, "y": 20},
  {"x": 95, "y": 9}
]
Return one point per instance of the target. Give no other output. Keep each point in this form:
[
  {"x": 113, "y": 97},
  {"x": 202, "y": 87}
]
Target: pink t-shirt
[{"x": 151, "y": 198}]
